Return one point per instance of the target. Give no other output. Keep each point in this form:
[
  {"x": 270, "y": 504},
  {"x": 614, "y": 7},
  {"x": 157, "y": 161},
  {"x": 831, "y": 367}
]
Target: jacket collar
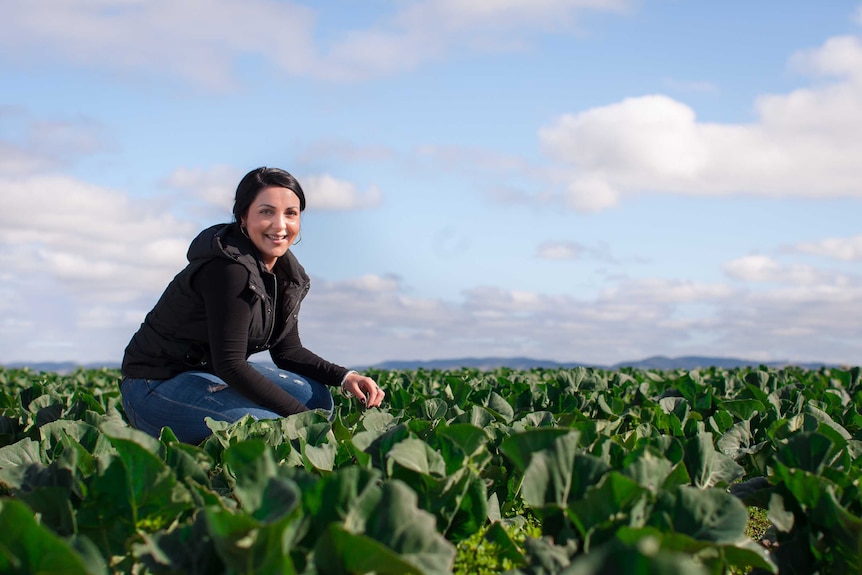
[{"x": 226, "y": 240}]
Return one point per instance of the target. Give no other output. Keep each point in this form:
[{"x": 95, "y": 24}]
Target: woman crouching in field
[{"x": 239, "y": 294}]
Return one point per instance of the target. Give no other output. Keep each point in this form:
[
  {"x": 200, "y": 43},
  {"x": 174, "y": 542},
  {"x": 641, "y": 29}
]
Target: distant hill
[
  {"x": 659, "y": 362},
  {"x": 656, "y": 362},
  {"x": 61, "y": 367}
]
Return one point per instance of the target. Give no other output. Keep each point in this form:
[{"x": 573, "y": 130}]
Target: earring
[
  {"x": 244, "y": 231},
  {"x": 299, "y": 239}
]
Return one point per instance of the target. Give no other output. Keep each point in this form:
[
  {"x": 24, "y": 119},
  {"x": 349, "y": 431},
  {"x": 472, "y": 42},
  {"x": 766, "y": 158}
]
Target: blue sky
[{"x": 578, "y": 180}]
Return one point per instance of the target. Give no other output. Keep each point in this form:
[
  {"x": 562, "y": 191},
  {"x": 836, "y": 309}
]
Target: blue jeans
[{"x": 183, "y": 401}]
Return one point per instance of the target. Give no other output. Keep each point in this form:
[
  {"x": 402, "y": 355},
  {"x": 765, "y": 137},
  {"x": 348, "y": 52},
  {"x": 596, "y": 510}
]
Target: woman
[{"x": 239, "y": 294}]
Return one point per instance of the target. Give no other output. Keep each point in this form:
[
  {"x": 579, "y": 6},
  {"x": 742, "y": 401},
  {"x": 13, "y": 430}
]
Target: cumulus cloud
[
  {"x": 567, "y": 250},
  {"x": 377, "y": 318},
  {"x": 81, "y": 266},
  {"x": 194, "y": 41},
  {"x": 339, "y": 151},
  {"x": 559, "y": 250},
  {"x": 98, "y": 242},
  {"x": 215, "y": 186},
  {"x": 201, "y": 42},
  {"x": 690, "y": 85},
  {"x": 636, "y": 318},
  {"x": 848, "y": 249},
  {"x": 757, "y": 268},
  {"x": 426, "y": 30},
  {"x": 804, "y": 144},
  {"x": 325, "y": 192},
  {"x": 39, "y": 145}
]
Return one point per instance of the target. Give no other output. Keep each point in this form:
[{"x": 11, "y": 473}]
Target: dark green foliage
[{"x": 541, "y": 471}]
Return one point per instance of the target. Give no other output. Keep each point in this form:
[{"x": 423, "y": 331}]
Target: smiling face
[{"x": 272, "y": 222}]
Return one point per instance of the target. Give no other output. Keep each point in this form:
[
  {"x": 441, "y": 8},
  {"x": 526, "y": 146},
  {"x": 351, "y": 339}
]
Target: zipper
[{"x": 271, "y": 313}]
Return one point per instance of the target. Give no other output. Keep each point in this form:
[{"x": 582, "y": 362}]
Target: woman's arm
[
  {"x": 222, "y": 284},
  {"x": 290, "y": 354}
]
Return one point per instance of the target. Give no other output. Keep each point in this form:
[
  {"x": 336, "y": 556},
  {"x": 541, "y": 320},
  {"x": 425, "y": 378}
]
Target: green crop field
[{"x": 578, "y": 471}]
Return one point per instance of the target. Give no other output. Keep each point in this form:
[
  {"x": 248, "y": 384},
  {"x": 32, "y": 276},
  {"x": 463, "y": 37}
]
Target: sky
[{"x": 586, "y": 181}]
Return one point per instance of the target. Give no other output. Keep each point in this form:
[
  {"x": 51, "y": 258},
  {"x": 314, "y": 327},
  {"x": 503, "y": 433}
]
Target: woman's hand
[{"x": 363, "y": 388}]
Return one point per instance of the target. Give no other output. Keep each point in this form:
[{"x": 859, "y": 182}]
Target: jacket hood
[
  {"x": 226, "y": 241},
  {"x": 220, "y": 240}
]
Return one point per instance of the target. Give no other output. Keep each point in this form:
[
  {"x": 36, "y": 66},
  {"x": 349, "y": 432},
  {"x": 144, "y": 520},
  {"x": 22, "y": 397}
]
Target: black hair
[{"x": 253, "y": 182}]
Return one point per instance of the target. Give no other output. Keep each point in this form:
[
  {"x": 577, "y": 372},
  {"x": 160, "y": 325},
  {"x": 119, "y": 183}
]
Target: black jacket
[{"x": 223, "y": 307}]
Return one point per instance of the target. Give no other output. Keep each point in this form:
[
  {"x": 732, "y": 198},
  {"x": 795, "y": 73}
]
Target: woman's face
[{"x": 272, "y": 222}]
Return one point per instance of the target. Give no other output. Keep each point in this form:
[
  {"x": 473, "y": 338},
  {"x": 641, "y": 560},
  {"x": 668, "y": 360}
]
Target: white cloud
[
  {"x": 99, "y": 243},
  {"x": 192, "y": 40},
  {"x": 804, "y": 143},
  {"x": 215, "y": 186},
  {"x": 325, "y": 192},
  {"x": 567, "y": 250},
  {"x": 690, "y": 85},
  {"x": 426, "y": 30},
  {"x": 849, "y": 249},
  {"x": 343, "y": 151},
  {"x": 46, "y": 144},
  {"x": 202, "y": 41},
  {"x": 758, "y": 268},
  {"x": 838, "y": 57},
  {"x": 632, "y": 320},
  {"x": 372, "y": 318},
  {"x": 560, "y": 250}
]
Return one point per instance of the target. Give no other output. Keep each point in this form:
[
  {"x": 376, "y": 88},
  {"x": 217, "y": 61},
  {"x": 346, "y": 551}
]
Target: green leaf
[
  {"x": 459, "y": 441},
  {"x": 31, "y": 548},
  {"x": 478, "y": 416},
  {"x": 520, "y": 447},
  {"x": 320, "y": 457},
  {"x": 262, "y": 494},
  {"x": 377, "y": 420},
  {"x": 348, "y": 496},
  {"x": 558, "y": 475},
  {"x": 703, "y": 514},
  {"x": 648, "y": 469},
  {"x": 340, "y": 552},
  {"x": 822, "y": 419},
  {"x": 708, "y": 467},
  {"x": 738, "y": 441},
  {"x": 646, "y": 556},
  {"x": 410, "y": 531},
  {"x": 432, "y": 409},
  {"x": 505, "y": 546},
  {"x": 743, "y": 409},
  {"x": 417, "y": 455},
  {"x": 457, "y": 501},
  {"x": 247, "y": 545},
  {"x": 612, "y": 499},
  {"x": 500, "y": 406},
  {"x": 187, "y": 549},
  {"x": 132, "y": 490},
  {"x": 753, "y": 492},
  {"x": 21, "y": 453},
  {"x": 748, "y": 554},
  {"x": 779, "y": 515},
  {"x": 808, "y": 451}
]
